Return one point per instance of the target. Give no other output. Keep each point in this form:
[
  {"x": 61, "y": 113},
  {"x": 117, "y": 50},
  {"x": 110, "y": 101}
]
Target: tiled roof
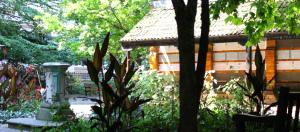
[{"x": 159, "y": 27}]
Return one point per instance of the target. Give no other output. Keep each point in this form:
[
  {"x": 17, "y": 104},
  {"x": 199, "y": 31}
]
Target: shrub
[
  {"x": 74, "y": 85},
  {"x": 6, "y": 115},
  {"x": 162, "y": 113},
  {"x": 77, "y": 125}
]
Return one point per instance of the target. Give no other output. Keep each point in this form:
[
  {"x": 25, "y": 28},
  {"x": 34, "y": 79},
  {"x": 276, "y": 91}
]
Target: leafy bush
[
  {"x": 26, "y": 106},
  {"x": 162, "y": 113},
  {"x": 77, "y": 125},
  {"x": 74, "y": 85},
  {"x": 17, "y": 83},
  {"x": 6, "y": 115}
]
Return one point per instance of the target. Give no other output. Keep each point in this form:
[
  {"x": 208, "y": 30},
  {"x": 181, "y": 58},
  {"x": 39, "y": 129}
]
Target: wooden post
[
  {"x": 209, "y": 58},
  {"x": 154, "y": 58},
  {"x": 128, "y": 59},
  {"x": 270, "y": 59}
]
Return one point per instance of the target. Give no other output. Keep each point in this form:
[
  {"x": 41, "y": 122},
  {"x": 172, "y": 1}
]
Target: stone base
[
  {"x": 31, "y": 124},
  {"x": 45, "y": 112}
]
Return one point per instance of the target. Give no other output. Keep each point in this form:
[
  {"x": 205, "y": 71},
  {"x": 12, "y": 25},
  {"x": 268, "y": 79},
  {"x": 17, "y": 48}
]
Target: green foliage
[
  {"x": 22, "y": 50},
  {"x": 215, "y": 120},
  {"x": 6, "y": 115},
  {"x": 162, "y": 113},
  {"x": 77, "y": 125},
  {"x": 262, "y": 17},
  {"x": 27, "y": 43},
  {"x": 80, "y": 24},
  {"x": 26, "y": 106},
  {"x": 62, "y": 112},
  {"x": 218, "y": 105},
  {"x": 74, "y": 85},
  {"x": 115, "y": 108}
]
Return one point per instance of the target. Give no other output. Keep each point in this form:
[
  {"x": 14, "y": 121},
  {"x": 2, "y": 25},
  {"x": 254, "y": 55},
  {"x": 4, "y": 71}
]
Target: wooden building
[{"x": 158, "y": 31}]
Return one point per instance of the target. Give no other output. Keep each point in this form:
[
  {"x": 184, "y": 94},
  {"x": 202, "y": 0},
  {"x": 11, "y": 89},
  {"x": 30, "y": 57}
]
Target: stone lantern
[{"x": 55, "y": 89}]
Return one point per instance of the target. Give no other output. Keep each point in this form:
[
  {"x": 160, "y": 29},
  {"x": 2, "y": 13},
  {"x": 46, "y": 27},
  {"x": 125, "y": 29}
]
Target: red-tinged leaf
[
  {"x": 109, "y": 73},
  {"x": 117, "y": 66},
  {"x": 259, "y": 63},
  {"x": 131, "y": 71},
  {"x": 97, "y": 60},
  {"x": 106, "y": 88},
  {"x": 119, "y": 102},
  {"x": 13, "y": 86},
  {"x": 105, "y": 45},
  {"x": 123, "y": 68},
  {"x": 92, "y": 72},
  {"x": 31, "y": 84}
]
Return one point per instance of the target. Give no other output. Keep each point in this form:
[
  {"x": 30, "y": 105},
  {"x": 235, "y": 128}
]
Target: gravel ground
[{"x": 81, "y": 106}]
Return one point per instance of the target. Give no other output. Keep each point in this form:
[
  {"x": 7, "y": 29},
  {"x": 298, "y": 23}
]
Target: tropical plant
[
  {"x": 255, "y": 85},
  {"x": 114, "y": 104},
  {"x": 17, "y": 82}
]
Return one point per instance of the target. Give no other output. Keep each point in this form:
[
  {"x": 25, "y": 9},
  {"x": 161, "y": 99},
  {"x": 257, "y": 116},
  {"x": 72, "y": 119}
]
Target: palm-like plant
[
  {"x": 256, "y": 84},
  {"x": 114, "y": 104}
]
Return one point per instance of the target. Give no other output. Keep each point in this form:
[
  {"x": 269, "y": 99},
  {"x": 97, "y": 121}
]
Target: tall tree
[
  {"x": 80, "y": 24},
  {"x": 26, "y": 42},
  {"x": 264, "y": 16},
  {"x": 191, "y": 80}
]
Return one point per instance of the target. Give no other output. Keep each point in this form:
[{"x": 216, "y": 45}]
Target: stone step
[
  {"x": 30, "y": 124},
  {"x": 4, "y": 128}
]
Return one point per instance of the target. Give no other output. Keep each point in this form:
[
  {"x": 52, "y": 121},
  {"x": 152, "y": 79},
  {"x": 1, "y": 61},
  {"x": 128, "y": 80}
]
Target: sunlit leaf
[{"x": 97, "y": 60}]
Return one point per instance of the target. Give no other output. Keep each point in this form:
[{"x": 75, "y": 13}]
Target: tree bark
[
  {"x": 203, "y": 48},
  {"x": 185, "y": 18},
  {"x": 191, "y": 80}
]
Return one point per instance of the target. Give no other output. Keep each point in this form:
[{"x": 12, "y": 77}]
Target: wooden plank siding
[
  {"x": 288, "y": 63},
  {"x": 229, "y": 60},
  {"x": 270, "y": 62}
]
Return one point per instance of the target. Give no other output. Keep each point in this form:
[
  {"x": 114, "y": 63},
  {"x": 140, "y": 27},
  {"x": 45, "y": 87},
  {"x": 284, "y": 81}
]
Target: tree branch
[
  {"x": 118, "y": 20},
  {"x": 204, "y": 41}
]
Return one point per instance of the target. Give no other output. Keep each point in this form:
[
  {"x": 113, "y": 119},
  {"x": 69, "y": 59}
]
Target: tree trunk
[
  {"x": 203, "y": 48},
  {"x": 185, "y": 18},
  {"x": 191, "y": 80}
]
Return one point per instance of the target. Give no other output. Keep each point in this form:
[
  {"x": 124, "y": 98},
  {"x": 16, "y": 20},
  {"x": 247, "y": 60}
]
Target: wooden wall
[
  {"x": 229, "y": 60},
  {"x": 288, "y": 63}
]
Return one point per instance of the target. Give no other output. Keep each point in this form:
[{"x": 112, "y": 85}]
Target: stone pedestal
[
  {"x": 54, "y": 101},
  {"x": 55, "y": 89}
]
